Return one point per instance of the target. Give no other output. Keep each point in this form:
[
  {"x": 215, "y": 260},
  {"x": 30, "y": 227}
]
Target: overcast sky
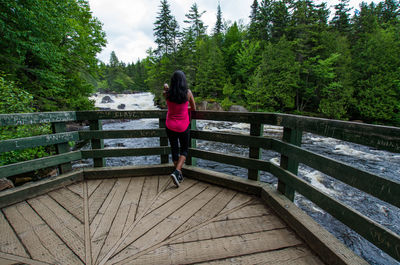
[{"x": 129, "y": 23}]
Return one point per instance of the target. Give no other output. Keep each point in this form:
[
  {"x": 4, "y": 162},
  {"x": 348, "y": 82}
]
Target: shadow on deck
[{"x": 137, "y": 216}]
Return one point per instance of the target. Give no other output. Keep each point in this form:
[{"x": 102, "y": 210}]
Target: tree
[
  {"x": 341, "y": 20},
  {"x": 254, "y": 25},
  {"x": 273, "y": 85},
  {"x": 165, "y": 30},
  {"x": 195, "y": 22},
  {"x": 50, "y": 47},
  {"x": 218, "y": 24}
]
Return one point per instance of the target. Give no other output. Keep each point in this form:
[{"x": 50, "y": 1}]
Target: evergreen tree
[
  {"x": 254, "y": 25},
  {"x": 165, "y": 30},
  {"x": 341, "y": 20},
  {"x": 218, "y": 24},
  {"x": 195, "y": 22}
]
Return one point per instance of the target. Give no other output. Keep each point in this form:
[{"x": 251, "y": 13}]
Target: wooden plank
[
  {"x": 228, "y": 228},
  {"x": 389, "y": 190},
  {"x": 34, "y": 141},
  {"x": 166, "y": 227},
  {"x": 256, "y": 129},
  {"x": 149, "y": 192},
  {"x": 208, "y": 211},
  {"x": 33, "y": 189},
  {"x": 61, "y": 148},
  {"x": 127, "y": 171},
  {"x": 98, "y": 197},
  {"x": 117, "y": 134},
  {"x": 377, "y": 234},
  {"x": 133, "y": 194},
  {"x": 221, "y": 179},
  {"x": 287, "y": 256},
  {"x": 253, "y": 210},
  {"x": 152, "y": 219},
  {"x": 125, "y": 216},
  {"x": 230, "y": 159},
  {"x": 294, "y": 137},
  {"x": 192, "y": 161},
  {"x": 381, "y": 137},
  {"x": 76, "y": 188},
  {"x": 171, "y": 193},
  {"x": 107, "y": 214},
  {"x": 120, "y": 114},
  {"x": 97, "y": 143},
  {"x": 65, "y": 225},
  {"x": 221, "y": 248},
  {"x": 93, "y": 185},
  {"x": 17, "y": 260},
  {"x": 27, "y": 166},
  {"x": 121, "y": 152},
  {"x": 88, "y": 247},
  {"x": 331, "y": 250},
  {"x": 239, "y": 199},
  {"x": 9, "y": 242},
  {"x": 38, "y": 117},
  {"x": 162, "y": 181},
  {"x": 70, "y": 201},
  {"x": 41, "y": 242},
  {"x": 163, "y": 140},
  {"x": 231, "y": 138}
]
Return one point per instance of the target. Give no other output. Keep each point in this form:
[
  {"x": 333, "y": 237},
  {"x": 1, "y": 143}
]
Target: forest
[{"x": 294, "y": 56}]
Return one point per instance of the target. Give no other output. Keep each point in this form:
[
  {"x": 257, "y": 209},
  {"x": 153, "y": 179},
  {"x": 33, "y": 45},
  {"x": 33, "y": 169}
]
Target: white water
[{"x": 375, "y": 161}]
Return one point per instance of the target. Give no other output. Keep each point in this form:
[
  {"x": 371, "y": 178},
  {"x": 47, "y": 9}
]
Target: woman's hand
[{"x": 166, "y": 87}]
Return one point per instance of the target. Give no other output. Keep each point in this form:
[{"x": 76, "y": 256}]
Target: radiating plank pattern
[{"x": 146, "y": 220}]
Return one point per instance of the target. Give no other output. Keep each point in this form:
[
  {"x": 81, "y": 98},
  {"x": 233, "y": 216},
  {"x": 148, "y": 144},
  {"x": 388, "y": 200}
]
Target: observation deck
[{"x": 135, "y": 215}]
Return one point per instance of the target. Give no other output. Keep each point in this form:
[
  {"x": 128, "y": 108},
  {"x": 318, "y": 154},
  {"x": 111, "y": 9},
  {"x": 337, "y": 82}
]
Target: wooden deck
[{"x": 146, "y": 220}]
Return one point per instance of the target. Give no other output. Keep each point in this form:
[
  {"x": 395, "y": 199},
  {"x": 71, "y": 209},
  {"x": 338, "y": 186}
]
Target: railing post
[
  {"x": 97, "y": 143},
  {"x": 60, "y": 127},
  {"x": 294, "y": 137},
  {"x": 192, "y": 161},
  {"x": 256, "y": 129},
  {"x": 163, "y": 140}
]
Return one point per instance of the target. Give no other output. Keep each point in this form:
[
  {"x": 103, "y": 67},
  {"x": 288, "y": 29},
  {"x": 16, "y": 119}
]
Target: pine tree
[
  {"x": 195, "y": 22},
  {"x": 165, "y": 30},
  {"x": 254, "y": 25},
  {"x": 218, "y": 25},
  {"x": 341, "y": 20}
]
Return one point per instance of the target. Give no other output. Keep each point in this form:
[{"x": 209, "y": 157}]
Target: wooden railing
[{"x": 289, "y": 147}]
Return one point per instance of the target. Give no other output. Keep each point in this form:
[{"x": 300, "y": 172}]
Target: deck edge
[
  {"x": 328, "y": 248},
  {"x": 33, "y": 189},
  {"x": 221, "y": 179},
  {"x": 127, "y": 171}
]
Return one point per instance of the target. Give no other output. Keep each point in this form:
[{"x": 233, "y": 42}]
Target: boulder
[
  {"x": 107, "y": 99},
  {"x": 6, "y": 184},
  {"x": 214, "y": 106},
  {"x": 202, "y": 105},
  {"x": 122, "y": 106},
  {"x": 238, "y": 108}
]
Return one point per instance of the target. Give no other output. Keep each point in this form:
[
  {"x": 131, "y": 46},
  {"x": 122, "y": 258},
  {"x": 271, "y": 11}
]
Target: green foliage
[
  {"x": 50, "y": 47},
  {"x": 274, "y": 85},
  {"x": 16, "y": 100},
  {"x": 290, "y": 58}
]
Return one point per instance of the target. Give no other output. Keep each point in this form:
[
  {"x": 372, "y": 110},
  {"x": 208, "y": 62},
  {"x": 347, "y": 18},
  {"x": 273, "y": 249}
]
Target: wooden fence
[{"x": 289, "y": 148}]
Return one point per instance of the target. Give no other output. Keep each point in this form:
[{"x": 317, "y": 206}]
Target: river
[{"x": 382, "y": 163}]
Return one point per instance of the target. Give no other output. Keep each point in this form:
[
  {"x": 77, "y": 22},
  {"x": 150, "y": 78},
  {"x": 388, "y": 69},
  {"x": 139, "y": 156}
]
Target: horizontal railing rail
[{"x": 380, "y": 137}]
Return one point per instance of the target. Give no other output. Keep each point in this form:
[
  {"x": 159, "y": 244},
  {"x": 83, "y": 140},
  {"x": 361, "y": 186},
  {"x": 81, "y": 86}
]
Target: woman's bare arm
[{"x": 192, "y": 103}]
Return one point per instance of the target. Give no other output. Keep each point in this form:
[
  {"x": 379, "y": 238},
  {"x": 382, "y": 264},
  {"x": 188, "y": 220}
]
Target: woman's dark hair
[{"x": 178, "y": 89}]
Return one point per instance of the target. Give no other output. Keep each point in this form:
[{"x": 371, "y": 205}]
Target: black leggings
[{"x": 184, "y": 138}]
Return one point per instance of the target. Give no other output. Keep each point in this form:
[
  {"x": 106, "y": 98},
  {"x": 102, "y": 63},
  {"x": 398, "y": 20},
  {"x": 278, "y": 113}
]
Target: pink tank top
[{"x": 177, "y": 116}]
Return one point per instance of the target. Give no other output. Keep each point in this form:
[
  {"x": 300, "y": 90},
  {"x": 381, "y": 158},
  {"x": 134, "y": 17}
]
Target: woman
[{"x": 178, "y": 98}]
